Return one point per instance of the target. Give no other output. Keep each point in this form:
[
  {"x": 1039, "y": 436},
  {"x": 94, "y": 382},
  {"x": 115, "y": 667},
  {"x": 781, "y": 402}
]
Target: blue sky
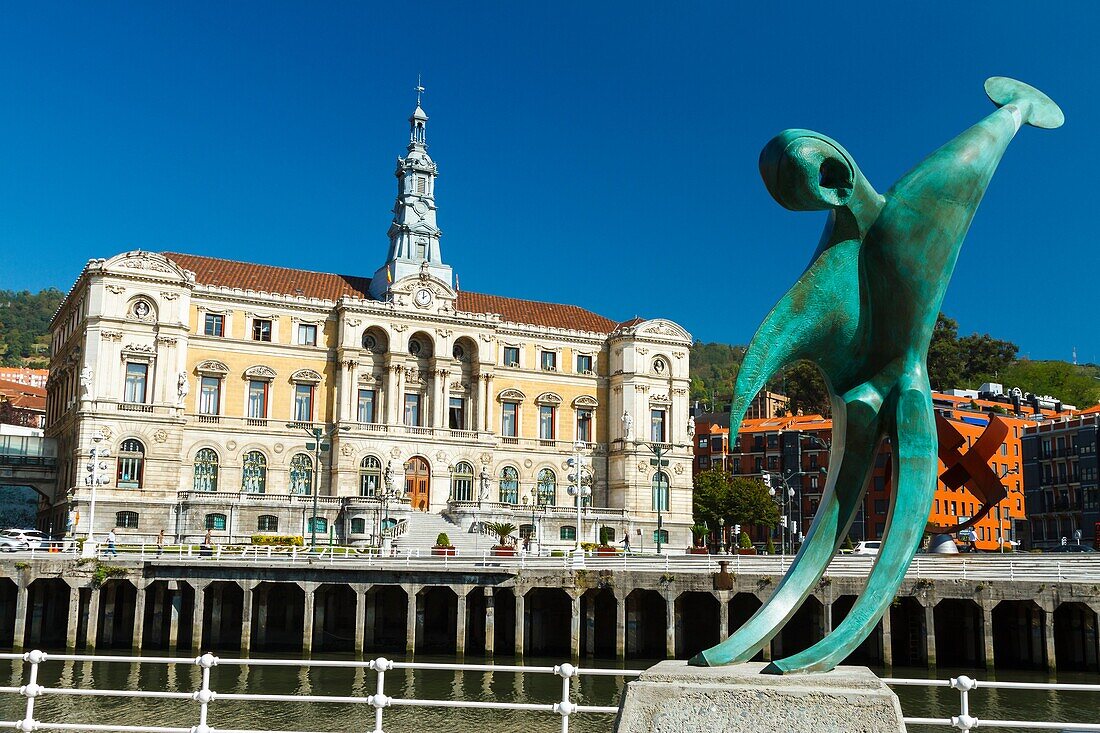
[{"x": 594, "y": 153}]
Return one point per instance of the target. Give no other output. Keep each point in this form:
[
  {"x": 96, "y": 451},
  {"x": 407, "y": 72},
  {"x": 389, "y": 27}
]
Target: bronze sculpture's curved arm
[{"x": 863, "y": 312}]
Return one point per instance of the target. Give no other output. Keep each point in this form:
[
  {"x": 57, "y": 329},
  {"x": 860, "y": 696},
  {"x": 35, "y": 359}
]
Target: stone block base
[{"x": 672, "y": 697}]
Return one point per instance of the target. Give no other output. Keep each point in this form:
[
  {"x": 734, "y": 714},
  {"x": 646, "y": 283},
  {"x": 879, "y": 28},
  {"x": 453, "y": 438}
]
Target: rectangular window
[
  {"x": 703, "y": 441},
  {"x": 511, "y": 356},
  {"x": 584, "y": 363},
  {"x": 366, "y": 405},
  {"x": 546, "y": 422},
  {"x": 412, "y": 409},
  {"x": 213, "y": 325},
  {"x": 210, "y": 395},
  {"x": 136, "y": 378},
  {"x": 584, "y": 426},
  {"x": 303, "y": 402},
  {"x": 549, "y": 361},
  {"x": 456, "y": 413},
  {"x": 509, "y": 419},
  {"x": 261, "y": 329},
  {"x": 307, "y": 334},
  {"x": 657, "y": 426},
  {"x": 257, "y": 399}
]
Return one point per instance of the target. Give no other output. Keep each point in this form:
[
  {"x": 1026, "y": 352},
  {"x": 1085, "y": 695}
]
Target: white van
[{"x": 868, "y": 547}]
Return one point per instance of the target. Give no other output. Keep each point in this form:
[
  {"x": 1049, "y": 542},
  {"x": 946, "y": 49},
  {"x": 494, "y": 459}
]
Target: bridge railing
[{"x": 208, "y": 701}]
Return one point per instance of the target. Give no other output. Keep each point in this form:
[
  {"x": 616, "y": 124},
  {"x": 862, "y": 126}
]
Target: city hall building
[{"x": 204, "y": 378}]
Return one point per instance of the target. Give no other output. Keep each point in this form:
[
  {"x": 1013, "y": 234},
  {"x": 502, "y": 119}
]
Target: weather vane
[{"x": 419, "y": 90}]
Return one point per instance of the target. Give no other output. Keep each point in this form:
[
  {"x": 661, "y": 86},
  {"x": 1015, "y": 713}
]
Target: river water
[{"x": 446, "y": 685}]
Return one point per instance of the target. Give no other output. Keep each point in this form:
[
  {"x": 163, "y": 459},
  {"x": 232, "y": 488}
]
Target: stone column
[
  {"x": 478, "y": 412},
  {"x": 439, "y": 399},
  {"x": 723, "y": 597},
  {"x": 575, "y": 627},
  {"x": 138, "y": 630},
  {"x": 490, "y": 427},
  {"x": 620, "y": 627},
  {"x": 987, "y": 635},
  {"x": 308, "y": 617},
  {"x": 490, "y": 621},
  {"x": 930, "y": 632},
  {"x": 246, "y": 617},
  {"x": 73, "y": 623},
  {"x": 395, "y": 388},
  {"x": 460, "y": 621},
  {"x": 92, "y": 634},
  {"x": 670, "y": 626},
  {"x": 590, "y": 627},
  {"x": 410, "y": 620},
  {"x": 197, "y": 613},
  {"x": 826, "y": 617},
  {"x": 887, "y": 640},
  {"x": 22, "y": 593},
  {"x": 175, "y": 603},
  {"x": 360, "y": 616},
  {"x": 521, "y": 618},
  {"x": 1048, "y": 634}
]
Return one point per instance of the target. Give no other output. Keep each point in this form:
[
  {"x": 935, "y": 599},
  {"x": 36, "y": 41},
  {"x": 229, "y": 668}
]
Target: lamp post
[
  {"x": 389, "y": 492},
  {"x": 721, "y": 535},
  {"x": 319, "y": 435},
  {"x": 580, "y": 481},
  {"x": 664, "y": 488},
  {"x": 482, "y": 492},
  {"x": 94, "y": 480}
]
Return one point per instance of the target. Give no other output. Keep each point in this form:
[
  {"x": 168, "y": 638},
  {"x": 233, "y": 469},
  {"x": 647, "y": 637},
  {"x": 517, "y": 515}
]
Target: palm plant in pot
[
  {"x": 699, "y": 532},
  {"x": 443, "y": 545},
  {"x": 503, "y": 531}
]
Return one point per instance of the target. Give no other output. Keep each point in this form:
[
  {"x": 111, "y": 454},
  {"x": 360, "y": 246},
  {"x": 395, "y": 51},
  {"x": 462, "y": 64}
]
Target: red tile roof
[
  {"x": 287, "y": 281},
  {"x": 15, "y": 388}
]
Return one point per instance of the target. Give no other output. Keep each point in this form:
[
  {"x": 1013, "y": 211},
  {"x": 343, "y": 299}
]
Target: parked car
[
  {"x": 32, "y": 538},
  {"x": 867, "y": 547},
  {"x": 1072, "y": 548}
]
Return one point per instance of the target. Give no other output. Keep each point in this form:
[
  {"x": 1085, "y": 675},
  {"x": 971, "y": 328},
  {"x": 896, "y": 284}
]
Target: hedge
[{"x": 277, "y": 539}]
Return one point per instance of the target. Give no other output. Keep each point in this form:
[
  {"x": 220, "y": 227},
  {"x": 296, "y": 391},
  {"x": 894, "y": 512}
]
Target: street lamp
[
  {"x": 663, "y": 483},
  {"x": 319, "y": 435},
  {"x": 94, "y": 479},
  {"x": 784, "y": 503},
  {"x": 721, "y": 535},
  {"x": 580, "y": 481},
  {"x": 388, "y": 493}
]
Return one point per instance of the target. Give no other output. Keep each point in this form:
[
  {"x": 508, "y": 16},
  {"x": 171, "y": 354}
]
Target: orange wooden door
[{"x": 417, "y": 483}]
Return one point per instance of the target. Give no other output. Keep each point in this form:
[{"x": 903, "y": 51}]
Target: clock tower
[{"x": 414, "y": 235}]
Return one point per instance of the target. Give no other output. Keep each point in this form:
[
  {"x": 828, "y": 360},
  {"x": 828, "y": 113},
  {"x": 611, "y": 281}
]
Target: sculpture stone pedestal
[{"x": 671, "y": 697}]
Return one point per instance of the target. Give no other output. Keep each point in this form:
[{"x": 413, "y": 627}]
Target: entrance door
[{"x": 417, "y": 483}]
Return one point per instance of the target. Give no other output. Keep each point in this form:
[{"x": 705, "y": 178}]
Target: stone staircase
[{"x": 424, "y": 527}]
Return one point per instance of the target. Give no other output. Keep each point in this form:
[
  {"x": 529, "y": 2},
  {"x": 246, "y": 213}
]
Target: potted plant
[
  {"x": 699, "y": 532},
  {"x": 443, "y": 545},
  {"x": 744, "y": 546},
  {"x": 769, "y": 548},
  {"x": 605, "y": 549},
  {"x": 502, "y": 530}
]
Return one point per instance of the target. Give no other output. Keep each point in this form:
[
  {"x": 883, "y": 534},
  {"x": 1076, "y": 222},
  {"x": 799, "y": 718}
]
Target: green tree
[
  {"x": 945, "y": 358},
  {"x": 1074, "y": 385},
  {"x": 24, "y": 326},
  {"x": 719, "y": 495},
  {"x": 984, "y": 357},
  {"x": 713, "y": 372},
  {"x": 805, "y": 389}
]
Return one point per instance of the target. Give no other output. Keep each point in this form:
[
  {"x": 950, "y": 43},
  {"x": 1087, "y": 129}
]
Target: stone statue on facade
[
  {"x": 86, "y": 383},
  {"x": 691, "y": 426},
  {"x": 628, "y": 426},
  {"x": 183, "y": 387},
  {"x": 863, "y": 312}
]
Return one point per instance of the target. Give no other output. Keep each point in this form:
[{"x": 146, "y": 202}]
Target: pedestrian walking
[
  {"x": 111, "y": 543},
  {"x": 626, "y": 544},
  {"x": 160, "y": 543}
]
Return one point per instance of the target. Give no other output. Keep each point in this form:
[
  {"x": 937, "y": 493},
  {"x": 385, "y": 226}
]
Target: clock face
[{"x": 423, "y": 296}]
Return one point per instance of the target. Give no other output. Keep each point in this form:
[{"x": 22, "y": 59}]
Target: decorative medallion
[
  {"x": 485, "y": 458},
  {"x": 141, "y": 309},
  {"x": 643, "y": 466},
  {"x": 441, "y": 456},
  {"x": 160, "y": 436},
  {"x": 278, "y": 447},
  {"x": 347, "y": 450},
  {"x": 231, "y": 444},
  {"x": 528, "y": 463},
  {"x": 679, "y": 469},
  {"x": 396, "y": 452},
  {"x": 105, "y": 433}
]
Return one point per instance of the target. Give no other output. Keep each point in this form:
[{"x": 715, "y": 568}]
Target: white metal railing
[
  {"x": 398, "y": 530},
  {"x": 206, "y": 697},
  {"x": 208, "y": 700}
]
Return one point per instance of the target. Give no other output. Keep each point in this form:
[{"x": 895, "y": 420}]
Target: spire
[{"x": 414, "y": 234}]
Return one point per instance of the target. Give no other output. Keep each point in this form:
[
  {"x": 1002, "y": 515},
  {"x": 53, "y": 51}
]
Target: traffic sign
[{"x": 655, "y": 462}]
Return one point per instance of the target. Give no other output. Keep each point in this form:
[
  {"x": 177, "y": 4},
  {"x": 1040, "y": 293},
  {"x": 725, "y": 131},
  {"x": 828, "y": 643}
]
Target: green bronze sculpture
[{"x": 863, "y": 312}]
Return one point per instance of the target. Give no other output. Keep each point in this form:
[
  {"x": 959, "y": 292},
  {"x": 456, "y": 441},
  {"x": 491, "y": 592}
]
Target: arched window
[
  {"x": 569, "y": 533},
  {"x": 254, "y": 473},
  {"x": 131, "y": 464},
  {"x": 370, "y": 476},
  {"x": 660, "y": 491},
  {"x": 317, "y": 524},
  {"x": 509, "y": 485},
  {"x": 301, "y": 474},
  {"x": 462, "y": 482},
  {"x": 358, "y": 525},
  {"x": 267, "y": 523},
  {"x": 206, "y": 470},
  {"x": 126, "y": 520},
  {"x": 215, "y": 521},
  {"x": 548, "y": 487},
  {"x": 527, "y": 532},
  {"x": 660, "y": 535}
]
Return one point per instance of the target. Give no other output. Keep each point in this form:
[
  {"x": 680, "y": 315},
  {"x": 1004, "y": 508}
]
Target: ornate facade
[{"x": 203, "y": 377}]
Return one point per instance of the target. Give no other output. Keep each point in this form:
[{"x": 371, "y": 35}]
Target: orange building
[{"x": 797, "y": 447}]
